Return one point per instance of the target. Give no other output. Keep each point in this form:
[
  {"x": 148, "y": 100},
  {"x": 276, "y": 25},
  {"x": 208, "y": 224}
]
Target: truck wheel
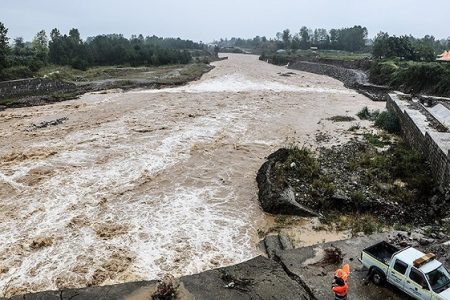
[{"x": 377, "y": 277}]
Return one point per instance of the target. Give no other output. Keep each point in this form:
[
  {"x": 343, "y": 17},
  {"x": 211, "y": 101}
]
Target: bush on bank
[{"x": 413, "y": 77}]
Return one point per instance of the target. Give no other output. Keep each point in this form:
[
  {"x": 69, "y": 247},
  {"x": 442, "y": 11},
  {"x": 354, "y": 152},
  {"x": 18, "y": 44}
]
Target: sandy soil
[{"x": 135, "y": 185}]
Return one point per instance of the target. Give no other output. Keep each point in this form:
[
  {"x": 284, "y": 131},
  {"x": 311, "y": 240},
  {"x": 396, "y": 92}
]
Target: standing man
[{"x": 340, "y": 289}]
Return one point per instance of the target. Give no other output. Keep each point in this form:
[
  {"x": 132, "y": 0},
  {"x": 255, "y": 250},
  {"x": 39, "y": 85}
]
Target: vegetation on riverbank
[
  {"x": 27, "y": 59},
  {"x": 416, "y": 77},
  {"x": 108, "y": 77},
  {"x": 375, "y": 180}
]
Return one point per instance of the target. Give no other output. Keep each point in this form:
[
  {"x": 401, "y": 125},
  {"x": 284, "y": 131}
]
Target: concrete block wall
[
  {"x": 33, "y": 86},
  {"x": 439, "y": 161},
  {"x": 424, "y": 142}
]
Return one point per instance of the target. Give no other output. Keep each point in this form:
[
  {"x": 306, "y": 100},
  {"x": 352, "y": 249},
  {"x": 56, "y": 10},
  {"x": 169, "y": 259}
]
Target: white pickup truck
[{"x": 417, "y": 274}]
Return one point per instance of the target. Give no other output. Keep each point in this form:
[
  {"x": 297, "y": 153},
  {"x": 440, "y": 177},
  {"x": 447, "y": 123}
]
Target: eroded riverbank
[{"x": 135, "y": 185}]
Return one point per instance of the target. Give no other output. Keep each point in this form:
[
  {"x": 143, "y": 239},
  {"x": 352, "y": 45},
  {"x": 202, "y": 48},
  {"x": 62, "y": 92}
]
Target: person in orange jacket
[{"x": 340, "y": 289}]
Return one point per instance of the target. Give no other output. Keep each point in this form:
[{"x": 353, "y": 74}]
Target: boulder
[{"x": 278, "y": 199}]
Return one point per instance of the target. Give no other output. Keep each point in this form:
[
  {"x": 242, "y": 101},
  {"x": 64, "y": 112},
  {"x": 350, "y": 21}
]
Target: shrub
[
  {"x": 374, "y": 140},
  {"x": 15, "y": 73},
  {"x": 80, "y": 64},
  {"x": 416, "y": 77},
  {"x": 388, "y": 121}
]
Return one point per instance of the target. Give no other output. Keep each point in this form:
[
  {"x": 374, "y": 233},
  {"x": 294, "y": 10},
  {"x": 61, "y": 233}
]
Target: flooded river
[{"x": 135, "y": 185}]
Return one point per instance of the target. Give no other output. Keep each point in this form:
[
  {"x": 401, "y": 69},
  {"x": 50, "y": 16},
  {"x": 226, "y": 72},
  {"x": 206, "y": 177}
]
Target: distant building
[
  {"x": 314, "y": 48},
  {"x": 444, "y": 56},
  {"x": 281, "y": 51}
]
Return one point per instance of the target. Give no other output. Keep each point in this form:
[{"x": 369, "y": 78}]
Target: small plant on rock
[{"x": 366, "y": 114}]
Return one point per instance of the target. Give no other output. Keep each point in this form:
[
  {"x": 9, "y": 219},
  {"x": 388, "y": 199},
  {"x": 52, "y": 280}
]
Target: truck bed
[{"x": 382, "y": 251}]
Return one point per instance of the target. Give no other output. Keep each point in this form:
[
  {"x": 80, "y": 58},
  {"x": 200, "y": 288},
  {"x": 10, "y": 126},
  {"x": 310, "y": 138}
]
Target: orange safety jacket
[{"x": 341, "y": 291}]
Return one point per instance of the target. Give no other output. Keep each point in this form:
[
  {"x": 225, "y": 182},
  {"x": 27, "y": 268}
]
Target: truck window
[
  {"x": 418, "y": 278},
  {"x": 439, "y": 279},
  {"x": 400, "y": 266}
]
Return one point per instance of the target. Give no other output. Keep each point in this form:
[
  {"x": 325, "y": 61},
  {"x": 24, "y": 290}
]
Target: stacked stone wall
[{"x": 33, "y": 86}]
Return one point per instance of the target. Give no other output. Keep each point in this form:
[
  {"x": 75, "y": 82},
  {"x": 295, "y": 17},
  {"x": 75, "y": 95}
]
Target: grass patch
[
  {"x": 341, "y": 119},
  {"x": 171, "y": 74},
  {"x": 400, "y": 162},
  {"x": 299, "y": 163},
  {"x": 323, "y": 186},
  {"x": 375, "y": 140}
]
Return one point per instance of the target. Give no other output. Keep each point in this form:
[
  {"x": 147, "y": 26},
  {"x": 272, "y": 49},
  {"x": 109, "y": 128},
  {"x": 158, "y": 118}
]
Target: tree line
[
  {"x": 349, "y": 39},
  {"x": 23, "y": 59},
  {"x": 353, "y": 39},
  {"x": 408, "y": 47}
]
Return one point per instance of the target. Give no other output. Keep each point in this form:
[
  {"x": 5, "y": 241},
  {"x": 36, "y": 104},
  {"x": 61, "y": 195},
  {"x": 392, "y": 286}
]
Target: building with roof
[{"x": 444, "y": 56}]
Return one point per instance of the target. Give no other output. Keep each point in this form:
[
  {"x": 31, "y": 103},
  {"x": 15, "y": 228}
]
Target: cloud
[{"x": 207, "y": 20}]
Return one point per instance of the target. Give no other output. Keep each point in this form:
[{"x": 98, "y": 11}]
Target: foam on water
[
  {"x": 182, "y": 230},
  {"x": 240, "y": 83}
]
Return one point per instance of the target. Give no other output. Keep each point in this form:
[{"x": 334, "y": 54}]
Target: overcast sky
[{"x": 203, "y": 20}]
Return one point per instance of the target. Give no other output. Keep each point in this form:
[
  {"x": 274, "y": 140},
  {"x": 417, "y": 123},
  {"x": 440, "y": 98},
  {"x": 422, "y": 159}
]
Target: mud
[{"x": 173, "y": 170}]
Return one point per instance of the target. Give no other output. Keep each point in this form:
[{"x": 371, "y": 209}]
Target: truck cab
[{"x": 417, "y": 274}]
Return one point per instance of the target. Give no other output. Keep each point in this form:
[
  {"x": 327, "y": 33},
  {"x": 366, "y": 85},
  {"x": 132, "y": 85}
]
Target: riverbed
[{"x": 134, "y": 185}]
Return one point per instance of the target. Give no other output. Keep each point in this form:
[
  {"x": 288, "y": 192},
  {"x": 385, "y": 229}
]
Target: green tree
[
  {"x": 286, "y": 37},
  {"x": 380, "y": 45},
  {"x": 56, "y": 49},
  {"x": 304, "y": 38},
  {"x": 333, "y": 37},
  {"x": 4, "y": 48},
  {"x": 295, "y": 44},
  {"x": 40, "y": 46},
  {"x": 19, "y": 46}
]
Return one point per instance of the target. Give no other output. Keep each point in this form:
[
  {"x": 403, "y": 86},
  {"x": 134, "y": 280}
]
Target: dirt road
[{"x": 135, "y": 185}]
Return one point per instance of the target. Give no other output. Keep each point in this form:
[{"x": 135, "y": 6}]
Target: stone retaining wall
[
  {"x": 431, "y": 143},
  {"x": 352, "y": 78},
  {"x": 349, "y": 77},
  {"x": 33, "y": 86}
]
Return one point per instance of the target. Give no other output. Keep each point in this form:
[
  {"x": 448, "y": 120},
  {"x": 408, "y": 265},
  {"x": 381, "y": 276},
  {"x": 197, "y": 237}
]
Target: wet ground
[{"x": 135, "y": 185}]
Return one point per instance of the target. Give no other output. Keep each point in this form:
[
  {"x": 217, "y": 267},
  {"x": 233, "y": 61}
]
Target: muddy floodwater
[{"x": 134, "y": 185}]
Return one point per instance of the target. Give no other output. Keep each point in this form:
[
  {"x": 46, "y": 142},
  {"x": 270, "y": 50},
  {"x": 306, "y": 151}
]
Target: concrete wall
[
  {"x": 33, "y": 86},
  {"x": 423, "y": 139}
]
